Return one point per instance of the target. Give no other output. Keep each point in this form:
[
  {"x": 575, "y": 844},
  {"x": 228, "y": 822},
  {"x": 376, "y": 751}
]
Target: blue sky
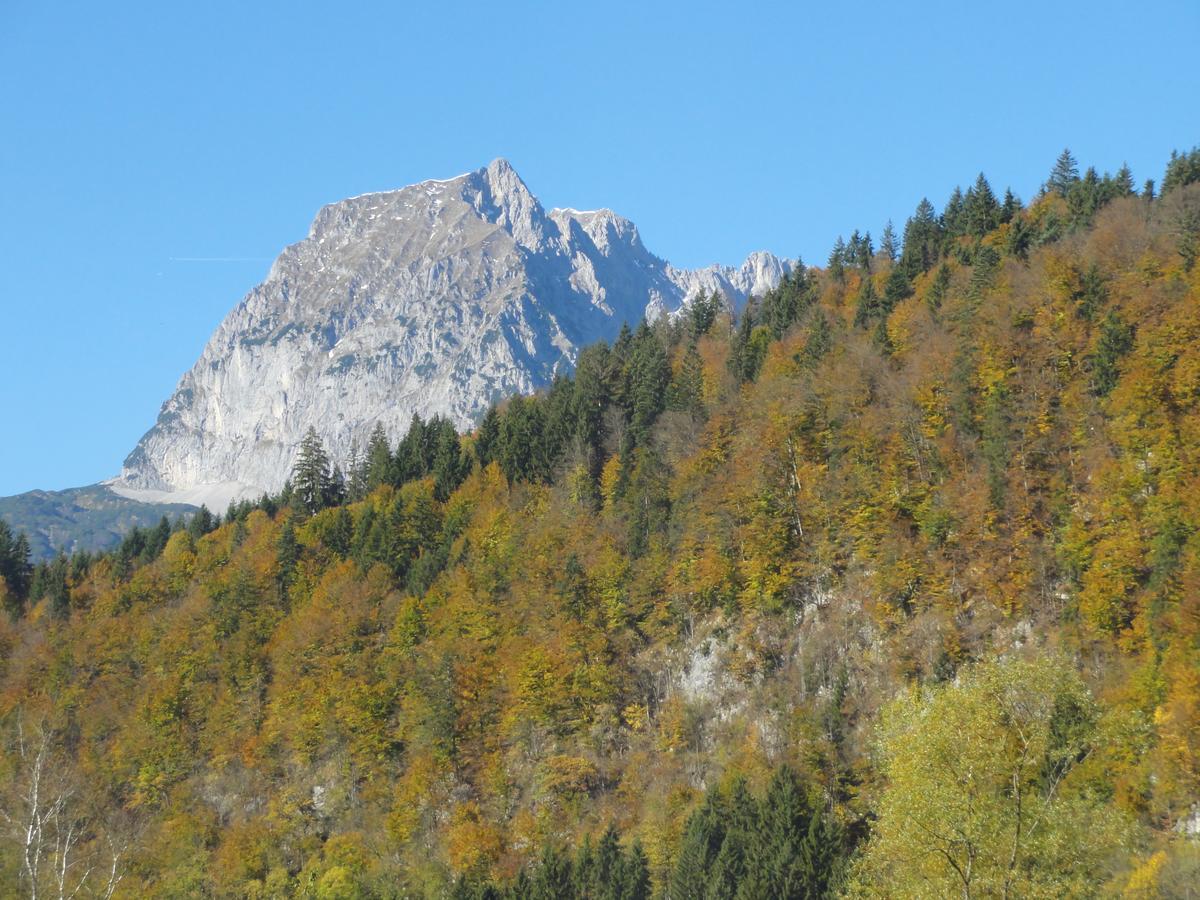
[{"x": 138, "y": 138}]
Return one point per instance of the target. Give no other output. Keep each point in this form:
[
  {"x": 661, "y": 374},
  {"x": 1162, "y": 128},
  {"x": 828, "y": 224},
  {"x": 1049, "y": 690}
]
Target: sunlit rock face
[{"x": 438, "y": 298}]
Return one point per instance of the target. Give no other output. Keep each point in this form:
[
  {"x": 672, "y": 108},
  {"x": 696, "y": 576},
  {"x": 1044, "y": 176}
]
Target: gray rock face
[{"x": 438, "y": 298}]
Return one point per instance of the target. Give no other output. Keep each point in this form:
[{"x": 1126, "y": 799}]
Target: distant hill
[{"x": 84, "y": 518}]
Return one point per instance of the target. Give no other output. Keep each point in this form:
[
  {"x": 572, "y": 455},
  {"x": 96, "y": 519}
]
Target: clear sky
[{"x": 154, "y": 157}]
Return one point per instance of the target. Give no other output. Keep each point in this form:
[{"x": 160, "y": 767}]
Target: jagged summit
[{"x": 436, "y": 298}]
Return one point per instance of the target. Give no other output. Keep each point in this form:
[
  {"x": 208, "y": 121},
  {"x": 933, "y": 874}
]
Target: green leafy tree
[{"x": 979, "y": 799}]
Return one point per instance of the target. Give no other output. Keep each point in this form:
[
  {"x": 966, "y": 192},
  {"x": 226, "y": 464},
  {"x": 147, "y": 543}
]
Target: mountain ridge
[{"x": 438, "y": 298}]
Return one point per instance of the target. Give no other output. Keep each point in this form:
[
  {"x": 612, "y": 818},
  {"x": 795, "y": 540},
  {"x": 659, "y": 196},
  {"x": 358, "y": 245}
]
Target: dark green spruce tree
[
  {"x": 1064, "y": 174},
  {"x": 311, "y": 475}
]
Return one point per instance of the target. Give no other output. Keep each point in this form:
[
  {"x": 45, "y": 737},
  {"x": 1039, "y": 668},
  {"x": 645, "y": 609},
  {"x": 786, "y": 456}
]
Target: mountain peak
[
  {"x": 435, "y": 299},
  {"x": 500, "y": 166},
  {"x": 505, "y": 199},
  {"x": 503, "y": 179}
]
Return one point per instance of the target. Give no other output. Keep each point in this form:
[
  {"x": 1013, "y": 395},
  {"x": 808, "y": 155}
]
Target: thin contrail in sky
[{"x": 218, "y": 258}]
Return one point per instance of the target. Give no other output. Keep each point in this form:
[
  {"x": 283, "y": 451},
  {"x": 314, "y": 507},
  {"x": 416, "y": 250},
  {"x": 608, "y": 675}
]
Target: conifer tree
[
  {"x": 1019, "y": 239},
  {"x": 410, "y": 461},
  {"x": 605, "y": 871},
  {"x": 869, "y": 307},
  {"x": 623, "y": 343},
  {"x": 687, "y": 387},
  {"x": 952, "y": 215},
  {"x": 201, "y": 523},
  {"x": 633, "y": 881},
  {"x": 594, "y": 376},
  {"x": 311, "y": 475},
  {"x": 864, "y": 251},
  {"x": 487, "y": 437},
  {"x": 981, "y": 212},
  {"x": 552, "y": 879},
  {"x": 287, "y": 552},
  {"x": 1182, "y": 169},
  {"x": 783, "y": 305},
  {"x": 819, "y": 342},
  {"x": 887, "y": 243},
  {"x": 56, "y": 588},
  {"x": 356, "y": 478},
  {"x": 939, "y": 288},
  {"x": 522, "y": 449},
  {"x": 793, "y": 853},
  {"x": 650, "y": 374},
  {"x": 335, "y": 492},
  {"x": 922, "y": 240},
  {"x": 1010, "y": 207},
  {"x": 896, "y": 289},
  {"x": 1124, "y": 181},
  {"x": 585, "y": 863},
  {"x": 450, "y": 466},
  {"x": 340, "y": 534},
  {"x": 702, "y": 839},
  {"x": 837, "y": 260},
  {"x": 1064, "y": 174},
  {"x": 730, "y": 867},
  {"x": 702, "y": 313},
  {"x": 378, "y": 459},
  {"x": 15, "y": 569},
  {"x": 157, "y": 538},
  {"x": 1116, "y": 340}
]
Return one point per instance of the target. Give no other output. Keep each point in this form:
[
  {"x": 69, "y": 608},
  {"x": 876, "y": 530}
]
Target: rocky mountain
[{"x": 438, "y": 298}]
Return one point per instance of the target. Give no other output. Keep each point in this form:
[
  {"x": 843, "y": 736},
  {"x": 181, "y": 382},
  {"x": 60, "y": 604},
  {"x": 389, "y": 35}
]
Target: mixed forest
[{"x": 887, "y": 586}]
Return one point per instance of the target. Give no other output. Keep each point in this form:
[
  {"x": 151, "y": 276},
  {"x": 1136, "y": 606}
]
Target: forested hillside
[{"x": 890, "y": 587}]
